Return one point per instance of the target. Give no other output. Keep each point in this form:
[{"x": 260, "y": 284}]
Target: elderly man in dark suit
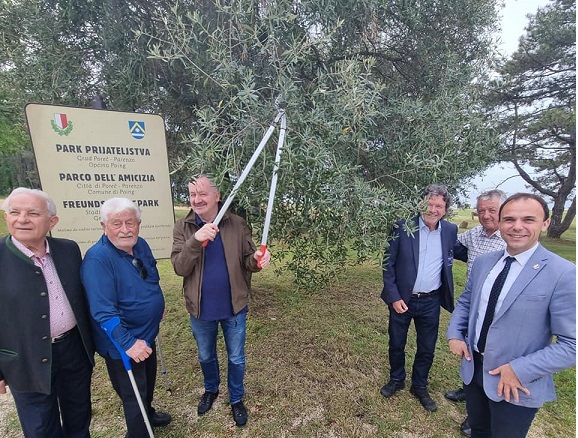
[
  {"x": 515, "y": 302},
  {"x": 417, "y": 280},
  {"x": 48, "y": 353}
]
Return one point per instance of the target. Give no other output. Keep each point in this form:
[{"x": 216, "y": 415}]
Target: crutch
[
  {"x": 163, "y": 367},
  {"x": 108, "y": 327},
  {"x": 249, "y": 166},
  {"x": 273, "y": 187}
]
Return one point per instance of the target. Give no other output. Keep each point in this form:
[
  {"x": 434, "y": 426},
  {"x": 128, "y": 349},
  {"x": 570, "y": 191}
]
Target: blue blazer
[
  {"x": 541, "y": 304},
  {"x": 401, "y": 260}
]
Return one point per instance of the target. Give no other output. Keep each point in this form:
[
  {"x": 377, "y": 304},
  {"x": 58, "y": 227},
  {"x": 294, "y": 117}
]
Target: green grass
[{"x": 315, "y": 364}]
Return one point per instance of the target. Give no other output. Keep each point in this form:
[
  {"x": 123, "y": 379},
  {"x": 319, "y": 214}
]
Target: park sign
[{"x": 86, "y": 156}]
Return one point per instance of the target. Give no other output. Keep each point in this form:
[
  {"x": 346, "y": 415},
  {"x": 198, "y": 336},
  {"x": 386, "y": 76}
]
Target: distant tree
[
  {"x": 535, "y": 102},
  {"x": 14, "y": 153}
]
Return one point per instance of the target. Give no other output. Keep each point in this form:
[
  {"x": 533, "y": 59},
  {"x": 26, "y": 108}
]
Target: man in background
[
  {"x": 479, "y": 240},
  {"x": 120, "y": 275},
  {"x": 417, "y": 280},
  {"x": 216, "y": 284},
  {"x": 44, "y": 323}
]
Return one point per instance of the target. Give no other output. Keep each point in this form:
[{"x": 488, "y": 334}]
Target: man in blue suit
[
  {"x": 417, "y": 280},
  {"x": 514, "y": 303}
]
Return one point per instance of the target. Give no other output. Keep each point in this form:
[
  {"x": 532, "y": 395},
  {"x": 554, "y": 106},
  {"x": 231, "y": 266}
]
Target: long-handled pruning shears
[{"x": 281, "y": 116}]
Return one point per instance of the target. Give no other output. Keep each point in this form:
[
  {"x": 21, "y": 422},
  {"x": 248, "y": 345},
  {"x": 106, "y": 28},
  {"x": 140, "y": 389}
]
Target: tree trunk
[{"x": 557, "y": 225}]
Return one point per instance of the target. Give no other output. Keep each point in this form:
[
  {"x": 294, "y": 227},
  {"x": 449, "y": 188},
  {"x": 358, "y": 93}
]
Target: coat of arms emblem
[{"x": 61, "y": 124}]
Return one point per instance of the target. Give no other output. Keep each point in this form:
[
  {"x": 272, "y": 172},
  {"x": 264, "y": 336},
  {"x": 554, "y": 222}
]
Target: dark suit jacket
[
  {"x": 401, "y": 262},
  {"x": 24, "y": 313}
]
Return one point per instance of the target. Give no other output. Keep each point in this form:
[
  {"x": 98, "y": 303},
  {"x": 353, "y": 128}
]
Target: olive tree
[{"x": 383, "y": 99}]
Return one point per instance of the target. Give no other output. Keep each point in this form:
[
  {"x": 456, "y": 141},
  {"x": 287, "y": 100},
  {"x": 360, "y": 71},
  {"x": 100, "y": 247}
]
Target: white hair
[
  {"x": 50, "y": 205},
  {"x": 116, "y": 205}
]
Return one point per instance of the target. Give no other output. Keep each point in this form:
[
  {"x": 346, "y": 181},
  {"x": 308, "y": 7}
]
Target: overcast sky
[{"x": 514, "y": 20}]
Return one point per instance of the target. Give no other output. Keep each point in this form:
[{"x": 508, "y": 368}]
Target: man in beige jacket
[{"x": 216, "y": 284}]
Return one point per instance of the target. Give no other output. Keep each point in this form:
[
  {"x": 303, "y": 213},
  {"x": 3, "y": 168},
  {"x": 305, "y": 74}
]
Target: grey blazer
[{"x": 541, "y": 304}]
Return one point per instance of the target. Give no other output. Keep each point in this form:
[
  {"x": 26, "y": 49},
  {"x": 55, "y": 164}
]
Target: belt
[
  {"x": 61, "y": 337},
  {"x": 425, "y": 294},
  {"x": 479, "y": 356}
]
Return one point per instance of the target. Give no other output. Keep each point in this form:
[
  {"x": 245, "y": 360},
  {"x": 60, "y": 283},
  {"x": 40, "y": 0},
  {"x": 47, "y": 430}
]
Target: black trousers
[
  {"x": 425, "y": 313},
  {"x": 40, "y": 414},
  {"x": 145, "y": 375},
  {"x": 490, "y": 419}
]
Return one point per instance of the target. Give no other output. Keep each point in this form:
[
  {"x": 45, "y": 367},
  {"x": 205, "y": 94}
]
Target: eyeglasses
[
  {"x": 137, "y": 263},
  {"x": 130, "y": 224}
]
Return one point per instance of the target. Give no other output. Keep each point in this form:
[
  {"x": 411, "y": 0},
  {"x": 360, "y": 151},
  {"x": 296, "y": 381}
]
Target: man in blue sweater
[{"x": 121, "y": 280}]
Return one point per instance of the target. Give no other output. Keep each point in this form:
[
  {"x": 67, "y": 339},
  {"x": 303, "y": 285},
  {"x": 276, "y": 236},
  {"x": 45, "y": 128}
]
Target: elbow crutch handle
[{"x": 108, "y": 327}]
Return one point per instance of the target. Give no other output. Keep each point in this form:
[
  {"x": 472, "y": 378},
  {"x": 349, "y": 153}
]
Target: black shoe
[
  {"x": 239, "y": 413},
  {"x": 160, "y": 419},
  {"x": 392, "y": 387},
  {"x": 457, "y": 395},
  {"x": 465, "y": 428},
  {"x": 424, "y": 398},
  {"x": 206, "y": 402}
]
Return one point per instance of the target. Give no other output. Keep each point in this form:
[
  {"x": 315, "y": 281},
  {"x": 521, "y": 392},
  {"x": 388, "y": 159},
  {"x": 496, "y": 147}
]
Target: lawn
[{"x": 315, "y": 364}]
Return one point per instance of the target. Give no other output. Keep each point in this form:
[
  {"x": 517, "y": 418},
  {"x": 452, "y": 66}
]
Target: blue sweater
[
  {"x": 115, "y": 288},
  {"x": 216, "y": 290}
]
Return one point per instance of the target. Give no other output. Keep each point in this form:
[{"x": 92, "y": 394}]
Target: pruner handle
[
  {"x": 205, "y": 243},
  {"x": 263, "y": 249}
]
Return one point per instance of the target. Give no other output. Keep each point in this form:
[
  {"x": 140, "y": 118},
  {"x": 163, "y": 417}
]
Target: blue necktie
[{"x": 492, "y": 301}]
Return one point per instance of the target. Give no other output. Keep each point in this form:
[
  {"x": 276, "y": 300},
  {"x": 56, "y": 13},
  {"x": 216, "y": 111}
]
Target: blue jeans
[
  {"x": 205, "y": 333},
  {"x": 425, "y": 313}
]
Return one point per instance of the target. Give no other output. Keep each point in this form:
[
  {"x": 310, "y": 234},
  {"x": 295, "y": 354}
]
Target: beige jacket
[{"x": 187, "y": 257}]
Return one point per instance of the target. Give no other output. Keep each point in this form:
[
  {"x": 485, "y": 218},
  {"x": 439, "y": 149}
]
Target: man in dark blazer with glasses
[{"x": 417, "y": 281}]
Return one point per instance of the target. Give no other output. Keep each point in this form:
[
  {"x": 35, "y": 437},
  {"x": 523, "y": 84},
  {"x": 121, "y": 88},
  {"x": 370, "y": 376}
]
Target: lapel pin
[{"x": 536, "y": 266}]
